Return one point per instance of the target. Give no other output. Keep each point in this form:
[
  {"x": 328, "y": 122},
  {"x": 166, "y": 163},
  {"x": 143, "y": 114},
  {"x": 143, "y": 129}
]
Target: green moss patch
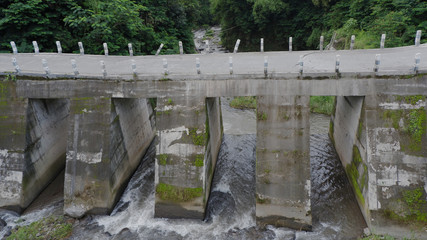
[
  {"x": 416, "y": 202},
  {"x": 177, "y": 194},
  {"x": 353, "y": 175},
  {"x": 162, "y": 159},
  {"x": 47, "y": 228},
  {"x": 261, "y": 116},
  {"x": 199, "y": 162},
  {"x": 198, "y": 139},
  {"x": 411, "y": 125}
]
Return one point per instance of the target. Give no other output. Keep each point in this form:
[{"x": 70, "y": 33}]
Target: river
[{"x": 231, "y": 206}]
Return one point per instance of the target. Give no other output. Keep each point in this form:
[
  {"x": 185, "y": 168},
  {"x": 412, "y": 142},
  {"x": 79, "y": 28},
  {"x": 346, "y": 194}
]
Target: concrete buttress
[
  {"x": 189, "y": 131},
  {"x": 283, "y": 161},
  {"x": 106, "y": 140}
]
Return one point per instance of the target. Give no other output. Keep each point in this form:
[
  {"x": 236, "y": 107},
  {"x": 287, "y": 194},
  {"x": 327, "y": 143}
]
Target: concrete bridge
[{"x": 96, "y": 116}]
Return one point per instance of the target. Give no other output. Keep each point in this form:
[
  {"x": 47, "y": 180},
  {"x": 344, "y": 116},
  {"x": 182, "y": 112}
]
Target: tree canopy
[
  {"x": 306, "y": 21},
  {"x": 143, "y": 23}
]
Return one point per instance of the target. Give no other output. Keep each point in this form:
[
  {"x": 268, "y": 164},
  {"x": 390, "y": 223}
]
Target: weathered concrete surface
[
  {"x": 248, "y": 86},
  {"x": 387, "y": 163},
  {"x": 32, "y": 148},
  {"x": 106, "y": 141},
  {"x": 186, "y": 155},
  {"x": 47, "y": 121},
  {"x": 393, "y": 61},
  {"x": 283, "y": 161},
  {"x": 13, "y": 118}
]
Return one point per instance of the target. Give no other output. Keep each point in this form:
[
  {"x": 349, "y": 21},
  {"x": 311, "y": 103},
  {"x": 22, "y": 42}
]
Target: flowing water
[{"x": 231, "y": 206}]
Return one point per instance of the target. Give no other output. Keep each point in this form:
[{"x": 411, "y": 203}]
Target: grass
[
  {"x": 47, "y": 228},
  {"x": 322, "y": 104}
]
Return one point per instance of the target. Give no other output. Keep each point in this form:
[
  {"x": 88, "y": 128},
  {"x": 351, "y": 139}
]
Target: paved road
[{"x": 394, "y": 61}]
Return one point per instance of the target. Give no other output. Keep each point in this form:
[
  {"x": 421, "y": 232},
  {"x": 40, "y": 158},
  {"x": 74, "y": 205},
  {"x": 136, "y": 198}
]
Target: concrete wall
[
  {"x": 186, "y": 155},
  {"x": 382, "y": 144},
  {"x": 32, "y": 145},
  {"x": 283, "y": 161},
  {"x": 13, "y": 118},
  {"x": 106, "y": 140}
]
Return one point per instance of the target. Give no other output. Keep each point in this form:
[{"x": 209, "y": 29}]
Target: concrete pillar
[
  {"x": 382, "y": 143},
  {"x": 106, "y": 140},
  {"x": 13, "y": 120},
  {"x": 283, "y": 161},
  {"x": 32, "y": 145},
  {"x": 186, "y": 155}
]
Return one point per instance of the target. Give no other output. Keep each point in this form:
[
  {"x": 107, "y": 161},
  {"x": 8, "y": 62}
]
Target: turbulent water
[{"x": 231, "y": 206}]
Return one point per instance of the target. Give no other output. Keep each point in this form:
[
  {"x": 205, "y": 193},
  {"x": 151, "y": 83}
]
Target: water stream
[{"x": 231, "y": 207}]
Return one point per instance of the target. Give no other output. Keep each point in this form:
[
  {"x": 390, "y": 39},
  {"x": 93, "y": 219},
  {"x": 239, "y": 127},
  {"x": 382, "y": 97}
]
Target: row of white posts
[
  {"x": 82, "y": 50},
  {"x": 236, "y": 47},
  {"x": 166, "y": 71}
]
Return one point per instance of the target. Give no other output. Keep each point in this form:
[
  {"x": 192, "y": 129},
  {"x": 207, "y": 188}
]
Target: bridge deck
[{"x": 394, "y": 61}]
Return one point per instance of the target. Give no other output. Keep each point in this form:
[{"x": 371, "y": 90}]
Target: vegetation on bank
[
  {"x": 243, "y": 103},
  {"x": 318, "y": 104},
  {"x": 143, "y": 23},
  {"x": 306, "y": 21},
  {"x": 53, "y": 227},
  {"x": 322, "y": 104}
]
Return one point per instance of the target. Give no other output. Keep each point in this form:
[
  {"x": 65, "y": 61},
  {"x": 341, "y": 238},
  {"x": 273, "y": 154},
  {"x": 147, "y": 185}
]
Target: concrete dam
[{"x": 95, "y": 116}]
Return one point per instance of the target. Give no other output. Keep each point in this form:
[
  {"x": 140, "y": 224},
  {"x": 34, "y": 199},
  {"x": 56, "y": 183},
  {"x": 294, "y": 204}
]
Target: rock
[
  {"x": 2, "y": 223},
  {"x": 125, "y": 234},
  {"x": 366, "y": 231}
]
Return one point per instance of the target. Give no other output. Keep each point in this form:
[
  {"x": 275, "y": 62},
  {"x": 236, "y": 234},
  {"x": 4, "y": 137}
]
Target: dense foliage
[
  {"x": 306, "y": 21},
  {"x": 147, "y": 23},
  {"x": 143, "y": 23}
]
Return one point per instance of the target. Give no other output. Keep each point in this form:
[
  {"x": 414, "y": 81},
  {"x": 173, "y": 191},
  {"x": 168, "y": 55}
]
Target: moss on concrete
[
  {"x": 415, "y": 200},
  {"x": 353, "y": 175},
  {"x": 198, "y": 139},
  {"x": 411, "y": 125},
  {"x": 177, "y": 194},
  {"x": 261, "y": 116},
  {"x": 162, "y": 159},
  {"x": 199, "y": 162}
]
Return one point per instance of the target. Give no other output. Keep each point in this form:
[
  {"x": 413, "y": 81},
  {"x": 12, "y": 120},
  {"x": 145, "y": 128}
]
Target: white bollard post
[
  {"x": 230, "y": 64},
  {"x": 321, "y": 43},
  {"x": 130, "y": 49},
  {"x": 181, "y": 49},
  {"x": 382, "y": 41},
  {"x": 74, "y": 66},
  {"x": 337, "y": 63},
  {"x": 208, "y": 48},
  {"x": 198, "y": 65},
  {"x": 134, "y": 67},
  {"x": 36, "y": 47},
  {"x": 418, "y": 38},
  {"x": 45, "y": 67},
  {"x": 105, "y": 49},
  {"x": 417, "y": 62},
  {"x": 353, "y": 38},
  {"x": 377, "y": 62},
  {"x": 103, "y": 68},
  {"x": 58, "y": 46},
  {"x": 301, "y": 64},
  {"x": 160, "y": 49},
  {"x": 15, "y": 64},
  {"x": 266, "y": 66},
  {"x": 290, "y": 44},
  {"x": 82, "y": 50},
  {"x": 165, "y": 66},
  {"x": 262, "y": 45},
  {"x": 236, "y": 47},
  {"x": 14, "y": 49}
]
